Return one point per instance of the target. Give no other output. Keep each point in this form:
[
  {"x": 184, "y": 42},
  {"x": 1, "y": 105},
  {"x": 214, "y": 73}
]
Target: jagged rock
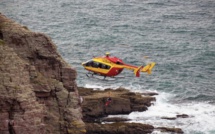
[
  {"x": 177, "y": 116},
  {"x": 114, "y": 119},
  {"x": 123, "y": 102},
  {"x": 149, "y": 93},
  {"x": 118, "y": 128},
  {"x": 94, "y": 109},
  {"x": 172, "y": 130},
  {"x": 182, "y": 116},
  {"x": 168, "y": 118},
  {"x": 38, "y": 92}
]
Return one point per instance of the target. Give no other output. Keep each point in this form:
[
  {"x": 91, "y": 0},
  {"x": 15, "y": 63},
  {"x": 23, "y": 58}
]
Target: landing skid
[
  {"x": 101, "y": 77},
  {"x": 119, "y": 77}
]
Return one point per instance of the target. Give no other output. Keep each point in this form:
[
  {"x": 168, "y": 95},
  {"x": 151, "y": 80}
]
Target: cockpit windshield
[{"x": 95, "y": 64}]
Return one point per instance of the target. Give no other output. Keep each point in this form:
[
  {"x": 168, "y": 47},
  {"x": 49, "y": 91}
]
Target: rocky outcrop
[
  {"x": 123, "y": 102},
  {"x": 119, "y": 128},
  {"x": 38, "y": 92},
  {"x": 170, "y": 130},
  {"x": 177, "y": 116},
  {"x": 114, "y": 119}
]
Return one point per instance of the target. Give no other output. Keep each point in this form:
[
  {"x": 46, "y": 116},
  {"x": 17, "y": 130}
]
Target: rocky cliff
[
  {"x": 95, "y": 111},
  {"x": 38, "y": 92}
]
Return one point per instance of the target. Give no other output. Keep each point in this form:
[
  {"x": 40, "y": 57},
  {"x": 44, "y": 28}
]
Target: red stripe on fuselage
[
  {"x": 114, "y": 60},
  {"x": 114, "y": 71},
  {"x": 120, "y": 62}
]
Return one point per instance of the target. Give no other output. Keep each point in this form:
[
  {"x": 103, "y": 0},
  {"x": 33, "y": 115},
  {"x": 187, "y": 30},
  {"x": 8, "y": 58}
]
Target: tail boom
[{"x": 148, "y": 68}]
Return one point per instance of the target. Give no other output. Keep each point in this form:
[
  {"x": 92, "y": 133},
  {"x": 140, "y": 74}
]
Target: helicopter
[{"x": 110, "y": 66}]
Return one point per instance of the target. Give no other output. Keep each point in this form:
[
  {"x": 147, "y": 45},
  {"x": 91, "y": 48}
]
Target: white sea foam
[
  {"x": 201, "y": 118},
  {"x": 94, "y": 86},
  {"x": 99, "y": 87},
  {"x": 201, "y": 115}
]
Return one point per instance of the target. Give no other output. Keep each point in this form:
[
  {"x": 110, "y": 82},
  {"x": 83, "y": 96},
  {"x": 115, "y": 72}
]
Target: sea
[{"x": 179, "y": 35}]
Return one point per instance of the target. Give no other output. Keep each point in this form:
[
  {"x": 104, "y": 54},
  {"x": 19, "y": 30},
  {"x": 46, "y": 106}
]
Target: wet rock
[
  {"x": 171, "y": 130},
  {"x": 123, "y": 102},
  {"x": 182, "y": 116},
  {"x": 168, "y": 118},
  {"x": 149, "y": 93},
  {"x": 177, "y": 116},
  {"x": 114, "y": 119},
  {"x": 118, "y": 128}
]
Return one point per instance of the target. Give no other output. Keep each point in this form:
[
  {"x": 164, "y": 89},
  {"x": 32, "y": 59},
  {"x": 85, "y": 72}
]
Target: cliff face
[{"x": 38, "y": 92}]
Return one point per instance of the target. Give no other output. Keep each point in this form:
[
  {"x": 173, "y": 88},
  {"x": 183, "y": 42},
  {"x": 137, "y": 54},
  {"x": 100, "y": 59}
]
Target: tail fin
[
  {"x": 148, "y": 68},
  {"x": 137, "y": 71}
]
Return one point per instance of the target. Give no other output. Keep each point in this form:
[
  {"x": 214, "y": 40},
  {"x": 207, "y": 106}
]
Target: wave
[{"x": 201, "y": 115}]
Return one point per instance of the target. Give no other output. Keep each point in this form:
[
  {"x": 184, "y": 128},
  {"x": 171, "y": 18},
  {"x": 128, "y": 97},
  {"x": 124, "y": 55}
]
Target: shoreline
[{"x": 124, "y": 102}]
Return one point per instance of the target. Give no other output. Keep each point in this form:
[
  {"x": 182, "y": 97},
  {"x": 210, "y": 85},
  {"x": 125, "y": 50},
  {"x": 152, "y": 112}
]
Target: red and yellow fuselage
[{"x": 112, "y": 66}]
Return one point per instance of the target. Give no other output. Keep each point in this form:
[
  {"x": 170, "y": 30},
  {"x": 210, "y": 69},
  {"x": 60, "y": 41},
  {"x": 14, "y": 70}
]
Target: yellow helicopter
[{"x": 110, "y": 66}]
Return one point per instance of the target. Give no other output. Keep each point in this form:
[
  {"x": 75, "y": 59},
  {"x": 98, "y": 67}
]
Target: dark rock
[
  {"x": 114, "y": 119},
  {"x": 118, "y": 128},
  {"x": 182, "y": 116},
  {"x": 149, "y": 93},
  {"x": 172, "y": 130},
  {"x": 168, "y": 118},
  {"x": 139, "y": 108},
  {"x": 123, "y": 102}
]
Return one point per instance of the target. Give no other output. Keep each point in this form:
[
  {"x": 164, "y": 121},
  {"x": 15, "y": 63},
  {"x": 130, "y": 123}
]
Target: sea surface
[{"x": 179, "y": 35}]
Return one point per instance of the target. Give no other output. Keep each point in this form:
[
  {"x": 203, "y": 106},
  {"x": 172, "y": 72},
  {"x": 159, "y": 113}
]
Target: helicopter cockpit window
[
  {"x": 89, "y": 63},
  {"x": 105, "y": 66},
  {"x": 100, "y": 65},
  {"x": 96, "y": 65}
]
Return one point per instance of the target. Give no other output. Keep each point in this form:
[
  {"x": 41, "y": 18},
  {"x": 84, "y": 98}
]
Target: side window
[
  {"x": 103, "y": 66},
  {"x": 89, "y": 63},
  {"x": 107, "y": 67},
  {"x": 95, "y": 64},
  {"x": 100, "y": 65}
]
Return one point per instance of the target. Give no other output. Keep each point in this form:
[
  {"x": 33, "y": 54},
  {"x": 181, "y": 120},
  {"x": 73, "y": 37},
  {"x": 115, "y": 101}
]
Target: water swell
[{"x": 177, "y": 35}]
